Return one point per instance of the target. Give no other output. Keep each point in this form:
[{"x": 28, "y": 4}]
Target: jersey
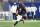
[
  {"x": 21, "y": 10},
  {"x": 13, "y": 9},
  {"x": 34, "y": 9}
]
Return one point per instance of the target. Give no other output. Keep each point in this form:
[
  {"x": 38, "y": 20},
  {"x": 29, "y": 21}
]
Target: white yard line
[{"x": 21, "y": 21}]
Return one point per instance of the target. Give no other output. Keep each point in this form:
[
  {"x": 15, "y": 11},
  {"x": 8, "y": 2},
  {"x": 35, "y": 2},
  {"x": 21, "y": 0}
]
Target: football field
[{"x": 20, "y": 24}]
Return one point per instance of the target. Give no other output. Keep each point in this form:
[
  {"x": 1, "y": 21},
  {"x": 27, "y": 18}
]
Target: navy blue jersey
[{"x": 21, "y": 10}]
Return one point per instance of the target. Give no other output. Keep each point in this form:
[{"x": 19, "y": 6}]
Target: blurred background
[{"x": 5, "y": 6}]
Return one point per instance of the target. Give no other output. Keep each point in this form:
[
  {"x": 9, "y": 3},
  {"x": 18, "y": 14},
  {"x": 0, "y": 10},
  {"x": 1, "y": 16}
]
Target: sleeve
[
  {"x": 25, "y": 8},
  {"x": 35, "y": 8},
  {"x": 30, "y": 9},
  {"x": 11, "y": 9},
  {"x": 17, "y": 9},
  {"x": 39, "y": 7}
]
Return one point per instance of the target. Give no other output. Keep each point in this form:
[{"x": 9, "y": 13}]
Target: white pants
[{"x": 19, "y": 17}]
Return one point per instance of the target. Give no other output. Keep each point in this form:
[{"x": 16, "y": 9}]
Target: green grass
[{"x": 20, "y": 24}]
